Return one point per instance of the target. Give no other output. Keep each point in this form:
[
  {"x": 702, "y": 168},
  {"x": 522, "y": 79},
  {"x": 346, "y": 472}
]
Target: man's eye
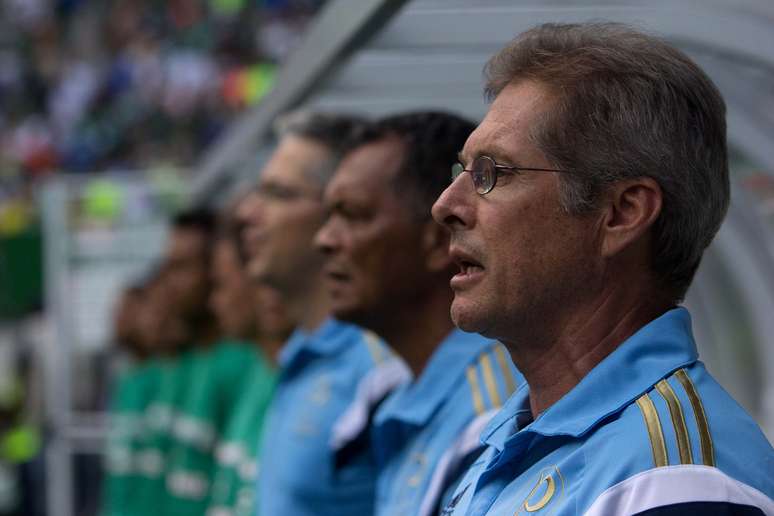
[
  {"x": 278, "y": 192},
  {"x": 353, "y": 213}
]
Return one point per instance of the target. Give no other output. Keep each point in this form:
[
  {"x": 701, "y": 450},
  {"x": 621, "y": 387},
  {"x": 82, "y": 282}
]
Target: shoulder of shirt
[
  {"x": 684, "y": 431},
  {"x": 490, "y": 379},
  {"x": 376, "y": 350}
]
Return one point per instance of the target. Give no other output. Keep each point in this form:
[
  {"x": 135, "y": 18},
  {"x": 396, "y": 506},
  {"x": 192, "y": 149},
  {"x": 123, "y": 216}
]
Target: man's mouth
[
  {"x": 467, "y": 267},
  {"x": 337, "y": 275},
  {"x": 471, "y": 270}
]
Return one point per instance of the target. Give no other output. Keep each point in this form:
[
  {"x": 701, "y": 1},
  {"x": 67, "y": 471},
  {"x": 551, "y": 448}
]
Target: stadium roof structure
[{"x": 381, "y": 56}]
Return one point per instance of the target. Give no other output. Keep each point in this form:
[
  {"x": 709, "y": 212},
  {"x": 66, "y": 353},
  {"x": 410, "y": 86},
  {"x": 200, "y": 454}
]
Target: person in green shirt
[
  {"x": 263, "y": 323},
  {"x": 229, "y": 377},
  {"x": 130, "y": 395},
  {"x": 176, "y": 321}
]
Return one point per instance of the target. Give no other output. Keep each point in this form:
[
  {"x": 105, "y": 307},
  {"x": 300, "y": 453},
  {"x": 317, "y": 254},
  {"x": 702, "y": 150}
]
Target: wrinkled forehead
[
  {"x": 374, "y": 165},
  {"x": 505, "y": 132},
  {"x": 297, "y": 161}
]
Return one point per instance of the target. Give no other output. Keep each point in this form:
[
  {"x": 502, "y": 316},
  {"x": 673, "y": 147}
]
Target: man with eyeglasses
[
  {"x": 578, "y": 214},
  {"x": 388, "y": 270},
  {"x": 322, "y": 363}
]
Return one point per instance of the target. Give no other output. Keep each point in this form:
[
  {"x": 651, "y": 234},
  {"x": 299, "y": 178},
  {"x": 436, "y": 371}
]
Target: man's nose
[
  {"x": 248, "y": 209},
  {"x": 454, "y": 208},
  {"x": 325, "y": 240}
]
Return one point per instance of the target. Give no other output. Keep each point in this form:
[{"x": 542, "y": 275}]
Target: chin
[
  {"x": 467, "y": 318},
  {"x": 345, "y": 312},
  {"x": 255, "y": 270}
]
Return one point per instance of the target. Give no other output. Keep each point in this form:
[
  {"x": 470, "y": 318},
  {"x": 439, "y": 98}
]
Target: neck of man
[
  {"x": 417, "y": 329},
  {"x": 309, "y": 304},
  {"x": 577, "y": 340},
  {"x": 272, "y": 345},
  {"x": 205, "y": 332}
]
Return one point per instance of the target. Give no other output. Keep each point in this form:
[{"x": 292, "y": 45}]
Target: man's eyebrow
[{"x": 493, "y": 153}]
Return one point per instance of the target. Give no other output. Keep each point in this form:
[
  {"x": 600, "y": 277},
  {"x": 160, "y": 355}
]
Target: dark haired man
[
  {"x": 388, "y": 270},
  {"x": 186, "y": 270},
  {"x": 579, "y": 213},
  {"x": 177, "y": 324},
  {"x": 322, "y": 363},
  {"x": 212, "y": 374}
]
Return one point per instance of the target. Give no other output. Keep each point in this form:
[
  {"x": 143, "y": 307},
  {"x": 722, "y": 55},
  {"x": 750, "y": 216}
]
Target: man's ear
[
  {"x": 633, "y": 205},
  {"x": 435, "y": 246}
]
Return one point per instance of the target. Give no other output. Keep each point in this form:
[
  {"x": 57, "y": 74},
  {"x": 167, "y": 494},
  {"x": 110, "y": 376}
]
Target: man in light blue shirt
[
  {"x": 319, "y": 373},
  {"x": 322, "y": 363},
  {"x": 580, "y": 210},
  {"x": 388, "y": 270}
]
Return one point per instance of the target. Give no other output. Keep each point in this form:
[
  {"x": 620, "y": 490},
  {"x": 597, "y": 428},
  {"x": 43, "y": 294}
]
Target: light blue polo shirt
[
  {"x": 427, "y": 431},
  {"x": 319, "y": 374},
  {"x": 647, "y": 431}
]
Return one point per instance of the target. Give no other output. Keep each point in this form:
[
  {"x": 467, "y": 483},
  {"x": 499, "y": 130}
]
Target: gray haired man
[
  {"x": 322, "y": 363},
  {"x": 579, "y": 213}
]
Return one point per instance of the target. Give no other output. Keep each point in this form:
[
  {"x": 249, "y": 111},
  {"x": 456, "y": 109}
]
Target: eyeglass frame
[{"x": 458, "y": 168}]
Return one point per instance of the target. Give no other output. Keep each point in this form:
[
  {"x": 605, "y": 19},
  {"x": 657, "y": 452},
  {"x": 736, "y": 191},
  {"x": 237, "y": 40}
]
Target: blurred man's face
[
  {"x": 232, "y": 299},
  {"x": 284, "y": 213},
  {"x": 372, "y": 239},
  {"x": 160, "y": 326},
  {"x": 186, "y": 274}
]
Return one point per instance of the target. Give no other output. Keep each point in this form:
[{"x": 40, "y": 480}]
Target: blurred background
[{"x": 114, "y": 114}]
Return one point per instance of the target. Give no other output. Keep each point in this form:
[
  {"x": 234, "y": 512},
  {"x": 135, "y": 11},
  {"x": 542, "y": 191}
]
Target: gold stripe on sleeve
[
  {"x": 707, "y": 450},
  {"x": 374, "y": 346},
  {"x": 678, "y": 421},
  {"x": 478, "y": 401},
  {"x": 654, "y": 430},
  {"x": 502, "y": 361},
  {"x": 489, "y": 381}
]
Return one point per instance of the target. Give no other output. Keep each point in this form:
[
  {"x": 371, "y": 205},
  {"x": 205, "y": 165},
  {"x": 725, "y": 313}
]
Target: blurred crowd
[
  {"x": 90, "y": 85},
  {"x": 128, "y": 85}
]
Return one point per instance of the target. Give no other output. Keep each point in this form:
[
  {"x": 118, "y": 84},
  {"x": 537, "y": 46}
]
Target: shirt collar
[
  {"x": 656, "y": 350},
  {"x": 416, "y": 402},
  {"x": 327, "y": 339}
]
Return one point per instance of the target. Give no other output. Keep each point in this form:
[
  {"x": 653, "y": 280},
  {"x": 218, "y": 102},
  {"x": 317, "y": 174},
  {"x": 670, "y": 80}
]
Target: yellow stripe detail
[
  {"x": 678, "y": 421},
  {"x": 478, "y": 400},
  {"x": 489, "y": 381},
  {"x": 502, "y": 361},
  {"x": 707, "y": 450},
  {"x": 374, "y": 346},
  {"x": 655, "y": 434}
]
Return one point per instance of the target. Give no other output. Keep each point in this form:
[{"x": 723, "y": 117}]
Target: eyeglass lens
[{"x": 483, "y": 173}]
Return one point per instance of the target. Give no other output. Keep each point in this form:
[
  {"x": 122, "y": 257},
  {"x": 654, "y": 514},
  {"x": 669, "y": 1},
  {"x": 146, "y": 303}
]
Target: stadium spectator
[
  {"x": 579, "y": 213},
  {"x": 89, "y": 85}
]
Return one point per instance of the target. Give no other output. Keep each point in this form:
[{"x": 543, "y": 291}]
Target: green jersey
[
  {"x": 217, "y": 377},
  {"x": 131, "y": 395},
  {"x": 233, "y": 490},
  {"x": 174, "y": 375}
]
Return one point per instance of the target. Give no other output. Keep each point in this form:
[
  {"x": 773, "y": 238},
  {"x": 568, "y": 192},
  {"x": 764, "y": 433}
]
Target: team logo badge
[{"x": 548, "y": 488}]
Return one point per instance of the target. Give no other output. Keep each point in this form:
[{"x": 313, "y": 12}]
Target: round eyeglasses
[{"x": 484, "y": 171}]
